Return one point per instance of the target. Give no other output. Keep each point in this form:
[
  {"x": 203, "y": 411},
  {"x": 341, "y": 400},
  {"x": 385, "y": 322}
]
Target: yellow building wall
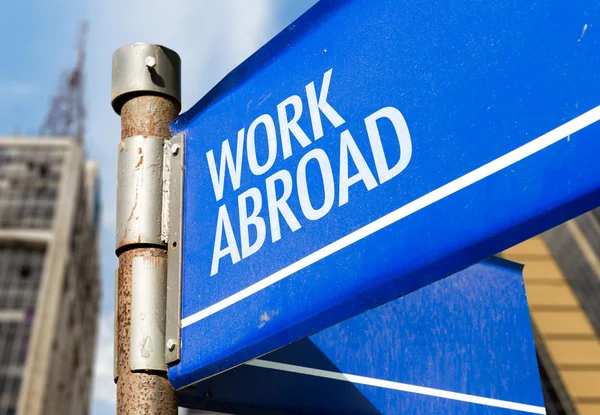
[{"x": 561, "y": 324}]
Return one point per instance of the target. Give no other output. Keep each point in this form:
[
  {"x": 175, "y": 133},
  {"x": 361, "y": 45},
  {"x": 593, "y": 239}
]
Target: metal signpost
[
  {"x": 370, "y": 149},
  {"x": 453, "y": 347},
  {"x": 146, "y": 94}
]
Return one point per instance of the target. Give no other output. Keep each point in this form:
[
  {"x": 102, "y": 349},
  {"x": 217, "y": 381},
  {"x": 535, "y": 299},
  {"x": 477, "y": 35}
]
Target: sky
[{"x": 38, "y": 42}]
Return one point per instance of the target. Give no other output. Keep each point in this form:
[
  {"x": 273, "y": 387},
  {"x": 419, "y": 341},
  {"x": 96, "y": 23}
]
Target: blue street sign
[
  {"x": 372, "y": 148},
  {"x": 460, "y": 345}
]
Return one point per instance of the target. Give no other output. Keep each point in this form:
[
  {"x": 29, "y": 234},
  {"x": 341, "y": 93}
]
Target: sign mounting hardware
[{"x": 172, "y": 214}]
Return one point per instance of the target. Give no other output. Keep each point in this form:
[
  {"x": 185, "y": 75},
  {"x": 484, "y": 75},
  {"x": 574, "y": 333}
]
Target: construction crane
[{"x": 66, "y": 116}]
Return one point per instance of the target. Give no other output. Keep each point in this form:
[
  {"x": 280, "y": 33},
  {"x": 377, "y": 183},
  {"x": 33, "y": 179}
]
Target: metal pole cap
[{"x": 143, "y": 68}]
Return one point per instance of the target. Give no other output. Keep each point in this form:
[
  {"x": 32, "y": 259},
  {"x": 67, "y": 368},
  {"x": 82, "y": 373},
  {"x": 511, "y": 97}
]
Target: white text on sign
[{"x": 277, "y": 207}]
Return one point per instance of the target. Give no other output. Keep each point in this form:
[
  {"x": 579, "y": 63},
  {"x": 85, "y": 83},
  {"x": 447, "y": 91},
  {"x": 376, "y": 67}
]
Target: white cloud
[{"x": 11, "y": 90}]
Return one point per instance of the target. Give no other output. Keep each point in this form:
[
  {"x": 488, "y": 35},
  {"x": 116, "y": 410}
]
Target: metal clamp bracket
[
  {"x": 156, "y": 306},
  {"x": 173, "y": 231},
  {"x": 148, "y": 304},
  {"x": 140, "y": 186}
]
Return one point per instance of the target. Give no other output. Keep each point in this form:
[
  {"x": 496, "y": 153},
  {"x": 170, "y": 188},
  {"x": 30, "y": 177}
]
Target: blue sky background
[{"x": 38, "y": 42}]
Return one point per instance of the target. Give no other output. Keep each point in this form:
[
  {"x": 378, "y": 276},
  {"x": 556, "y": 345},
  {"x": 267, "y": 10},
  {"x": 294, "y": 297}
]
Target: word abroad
[{"x": 276, "y": 207}]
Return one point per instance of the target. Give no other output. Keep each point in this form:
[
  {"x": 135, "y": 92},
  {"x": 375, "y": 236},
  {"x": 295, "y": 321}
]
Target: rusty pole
[{"x": 146, "y": 93}]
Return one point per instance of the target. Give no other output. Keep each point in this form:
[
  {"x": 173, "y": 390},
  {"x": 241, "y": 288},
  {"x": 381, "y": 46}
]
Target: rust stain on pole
[
  {"x": 141, "y": 392},
  {"x": 138, "y": 392},
  {"x": 145, "y": 115}
]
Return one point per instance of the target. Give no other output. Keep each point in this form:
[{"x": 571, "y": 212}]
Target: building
[
  {"x": 49, "y": 276},
  {"x": 562, "y": 279}
]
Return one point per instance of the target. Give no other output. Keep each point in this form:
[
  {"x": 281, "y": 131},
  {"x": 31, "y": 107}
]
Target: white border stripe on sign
[
  {"x": 416, "y": 205},
  {"x": 403, "y": 387}
]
